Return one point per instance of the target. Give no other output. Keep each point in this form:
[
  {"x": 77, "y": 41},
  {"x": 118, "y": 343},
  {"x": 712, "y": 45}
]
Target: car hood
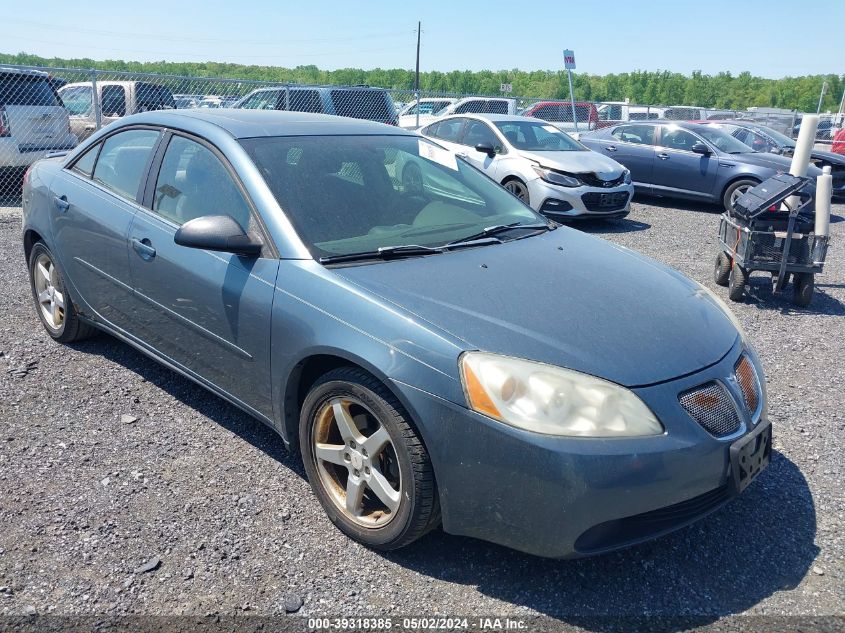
[
  {"x": 772, "y": 161},
  {"x": 564, "y": 298},
  {"x": 578, "y": 163}
]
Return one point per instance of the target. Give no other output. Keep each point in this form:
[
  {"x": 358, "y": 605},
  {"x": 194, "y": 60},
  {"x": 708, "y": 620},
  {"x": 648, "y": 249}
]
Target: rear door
[
  {"x": 37, "y": 120},
  {"x": 677, "y": 169},
  {"x": 633, "y": 146},
  {"x": 95, "y": 201},
  {"x": 208, "y": 312}
]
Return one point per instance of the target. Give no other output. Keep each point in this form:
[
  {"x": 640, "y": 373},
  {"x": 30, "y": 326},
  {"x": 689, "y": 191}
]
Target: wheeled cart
[{"x": 759, "y": 235}]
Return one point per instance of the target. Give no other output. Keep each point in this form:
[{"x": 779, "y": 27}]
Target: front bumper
[
  {"x": 568, "y": 497},
  {"x": 561, "y": 203}
]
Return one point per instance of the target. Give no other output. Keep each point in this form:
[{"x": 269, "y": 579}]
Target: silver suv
[{"x": 33, "y": 120}]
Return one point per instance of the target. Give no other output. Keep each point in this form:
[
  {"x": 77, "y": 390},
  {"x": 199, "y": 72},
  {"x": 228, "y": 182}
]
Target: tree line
[{"x": 723, "y": 90}]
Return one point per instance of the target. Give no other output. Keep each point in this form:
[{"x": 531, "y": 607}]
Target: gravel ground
[{"x": 126, "y": 489}]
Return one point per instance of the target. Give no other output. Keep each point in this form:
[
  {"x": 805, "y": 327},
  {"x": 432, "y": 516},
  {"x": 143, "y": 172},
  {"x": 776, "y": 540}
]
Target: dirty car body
[{"x": 258, "y": 329}]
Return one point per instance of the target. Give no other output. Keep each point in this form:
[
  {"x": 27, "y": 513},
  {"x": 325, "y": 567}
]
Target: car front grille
[
  {"x": 592, "y": 180},
  {"x": 595, "y": 201},
  {"x": 711, "y": 406},
  {"x": 747, "y": 380}
]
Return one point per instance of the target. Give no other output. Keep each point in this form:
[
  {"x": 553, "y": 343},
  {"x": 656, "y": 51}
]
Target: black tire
[
  {"x": 517, "y": 188},
  {"x": 736, "y": 282},
  {"x": 744, "y": 183},
  {"x": 71, "y": 328},
  {"x": 722, "y": 270},
  {"x": 418, "y": 508},
  {"x": 803, "y": 286}
]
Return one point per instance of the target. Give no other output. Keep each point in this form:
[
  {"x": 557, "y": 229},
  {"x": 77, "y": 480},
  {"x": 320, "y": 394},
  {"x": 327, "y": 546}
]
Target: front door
[
  {"x": 677, "y": 169},
  {"x": 477, "y": 132},
  {"x": 209, "y": 312}
]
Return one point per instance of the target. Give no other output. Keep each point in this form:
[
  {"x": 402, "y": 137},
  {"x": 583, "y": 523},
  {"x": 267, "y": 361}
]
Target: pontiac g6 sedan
[{"x": 439, "y": 356}]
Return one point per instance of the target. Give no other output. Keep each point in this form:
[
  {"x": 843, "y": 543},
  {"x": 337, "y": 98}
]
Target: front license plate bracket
[{"x": 750, "y": 455}]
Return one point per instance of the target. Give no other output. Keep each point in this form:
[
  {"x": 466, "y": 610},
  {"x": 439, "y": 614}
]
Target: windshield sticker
[{"x": 438, "y": 155}]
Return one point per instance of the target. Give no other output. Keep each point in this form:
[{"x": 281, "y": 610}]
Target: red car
[
  {"x": 560, "y": 113},
  {"x": 838, "y": 146}
]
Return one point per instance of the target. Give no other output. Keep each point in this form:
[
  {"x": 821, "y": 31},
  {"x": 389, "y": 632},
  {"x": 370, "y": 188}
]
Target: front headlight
[
  {"x": 627, "y": 175},
  {"x": 556, "y": 177},
  {"x": 552, "y": 400}
]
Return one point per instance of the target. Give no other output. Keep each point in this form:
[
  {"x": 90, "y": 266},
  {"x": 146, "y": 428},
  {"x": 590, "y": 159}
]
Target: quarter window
[
  {"x": 123, "y": 161},
  {"x": 639, "y": 134},
  {"x": 85, "y": 164},
  {"x": 193, "y": 182}
]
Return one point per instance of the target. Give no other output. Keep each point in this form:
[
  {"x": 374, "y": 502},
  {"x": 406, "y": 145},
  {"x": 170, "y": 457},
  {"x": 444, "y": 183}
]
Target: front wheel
[
  {"x": 804, "y": 284},
  {"x": 365, "y": 461},
  {"x": 518, "y": 188},
  {"x": 736, "y": 282},
  {"x": 722, "y": 270}
]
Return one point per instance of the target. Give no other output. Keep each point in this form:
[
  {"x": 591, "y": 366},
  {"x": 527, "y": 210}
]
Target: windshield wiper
[
  {"x": 493, "y": 231},
  {"x": 383, "y": 252}
]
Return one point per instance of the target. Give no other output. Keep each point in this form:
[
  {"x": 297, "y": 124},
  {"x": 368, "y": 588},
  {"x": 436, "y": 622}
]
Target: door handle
[
  {"x": 663, "y": 156},
  {"x": 61, "y": 203},
  {"x": 611, "y": 148},
  {"x": 144, "y": 248}
]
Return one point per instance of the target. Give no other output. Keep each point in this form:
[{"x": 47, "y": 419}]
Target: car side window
[
  {"x": 113, "y": 101},
  {"x": 305, "y": 101},
  {"x": 478, "y": 132},
  {"x": 78, "y": 100},
  {"x": 123, "y": 160},
  {"x": 265, "y": 100},
  {"x": 639, "y": 134},
  {"x": 193, "y": 182},
  {"x": 449, "y": 130},
  {"x": 678, "y": 139},
  {"x": 474, "y": 105},
  {"x": 85, "y": 164}
]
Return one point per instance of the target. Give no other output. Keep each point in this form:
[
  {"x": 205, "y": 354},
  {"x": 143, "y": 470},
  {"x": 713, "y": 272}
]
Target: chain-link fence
[{"x": 44, "y": 110}]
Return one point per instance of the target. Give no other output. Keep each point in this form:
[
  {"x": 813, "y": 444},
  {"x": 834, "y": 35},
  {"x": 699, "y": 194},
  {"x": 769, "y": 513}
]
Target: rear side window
[
  {"x": 305, "y": 101},
  {"x": 123, "y": 161},
  {"x": 264, "y": 100},
  {"x": 113, "y": 101},
  {"x": 28, "y": 90},
  {"x": 449, "y": 130},
  {"x": 639, "y": 134},
  {"x": 192, "y": 182},
  {"x": 497, "y": 107},
  {"x": 374, "y": 105},
  {"x": 475, "y": 106},
  {"x": 85, "y": 164},
  {"x": 153, "y": 97}
]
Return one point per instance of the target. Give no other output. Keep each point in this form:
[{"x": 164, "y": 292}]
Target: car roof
[
  {"x": 241, "y": 123},
  {"x": 5, "y": 70},
  {"x": 581, "y": 103},
  {"x": 493, "y": 118}
]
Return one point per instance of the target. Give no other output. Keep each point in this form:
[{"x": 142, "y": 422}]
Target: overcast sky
[{"x": 766, "y": 37}]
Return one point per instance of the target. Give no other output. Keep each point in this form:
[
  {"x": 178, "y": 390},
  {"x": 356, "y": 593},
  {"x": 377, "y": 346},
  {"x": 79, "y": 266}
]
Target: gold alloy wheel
[
  {"x": 48, "y": 291},
  {"x": 356, "y": 462}
]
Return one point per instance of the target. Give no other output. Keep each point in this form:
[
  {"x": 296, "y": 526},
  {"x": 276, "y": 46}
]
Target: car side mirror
[
  {"x": 700, "y": 148},
  {"x": 217, "y": 233},
  {"x": 486, "y": 148}
]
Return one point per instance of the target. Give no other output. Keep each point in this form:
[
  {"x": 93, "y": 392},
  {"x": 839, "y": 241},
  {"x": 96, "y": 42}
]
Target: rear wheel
[
  {"x": 722, "y": 270},
  {"x": 803, "y": 286},
  {"x": 518, "y": 188},
  {"x": 52, "y": 302},
  {"x": 365, "y": 461},
  {"x": 735, "y": 190},
  {"x": 736, "y": 282}
]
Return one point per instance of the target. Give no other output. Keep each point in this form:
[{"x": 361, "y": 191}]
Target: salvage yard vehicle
[
  {"x": 429, "y": 109},
  {"x": 116, "y": 99},
  {"x": 357, "y": 102},
  {"x": 688, "y": 160},
  {"x": 32, "y": 120},
  {"x": 765, "y": 139},
  {"x": 443, "y": 355},
  {"x": 560, "y": 114},
  {"x": 541, "y": 165}
]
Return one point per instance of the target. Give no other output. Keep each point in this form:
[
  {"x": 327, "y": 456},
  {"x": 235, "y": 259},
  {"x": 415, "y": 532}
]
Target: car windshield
[
  {"x": 354, "y": 194},
  {"x": 722, "y": 140},
  {"x": 538, "y": 137}
]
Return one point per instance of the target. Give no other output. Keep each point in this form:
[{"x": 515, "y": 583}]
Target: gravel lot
[{"x": 109, "y": 461}]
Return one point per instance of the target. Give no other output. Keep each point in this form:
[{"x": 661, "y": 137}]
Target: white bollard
[
  {"x": 824, "y": 189},
  {"x": 803, "y": 147}
]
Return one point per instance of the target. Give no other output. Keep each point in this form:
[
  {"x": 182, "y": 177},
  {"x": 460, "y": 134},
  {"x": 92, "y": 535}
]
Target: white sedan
[{"x": 546, "y": 168}]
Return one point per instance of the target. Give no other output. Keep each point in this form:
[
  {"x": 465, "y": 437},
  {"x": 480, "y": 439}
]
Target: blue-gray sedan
[{"x": 442, "y": 355}]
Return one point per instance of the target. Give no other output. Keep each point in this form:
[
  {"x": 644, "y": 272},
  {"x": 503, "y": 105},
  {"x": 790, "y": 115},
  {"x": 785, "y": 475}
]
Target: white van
[{"x": 614, "y": 112}]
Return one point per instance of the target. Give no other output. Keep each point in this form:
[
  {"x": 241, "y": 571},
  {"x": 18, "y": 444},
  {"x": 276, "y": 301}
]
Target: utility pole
[
  {"x": 417, "y": 75},
  {"x": 821, "y": 96}
]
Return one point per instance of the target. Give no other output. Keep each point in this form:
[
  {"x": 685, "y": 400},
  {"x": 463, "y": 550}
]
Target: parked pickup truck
[{"x": 116, "y": 99}]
